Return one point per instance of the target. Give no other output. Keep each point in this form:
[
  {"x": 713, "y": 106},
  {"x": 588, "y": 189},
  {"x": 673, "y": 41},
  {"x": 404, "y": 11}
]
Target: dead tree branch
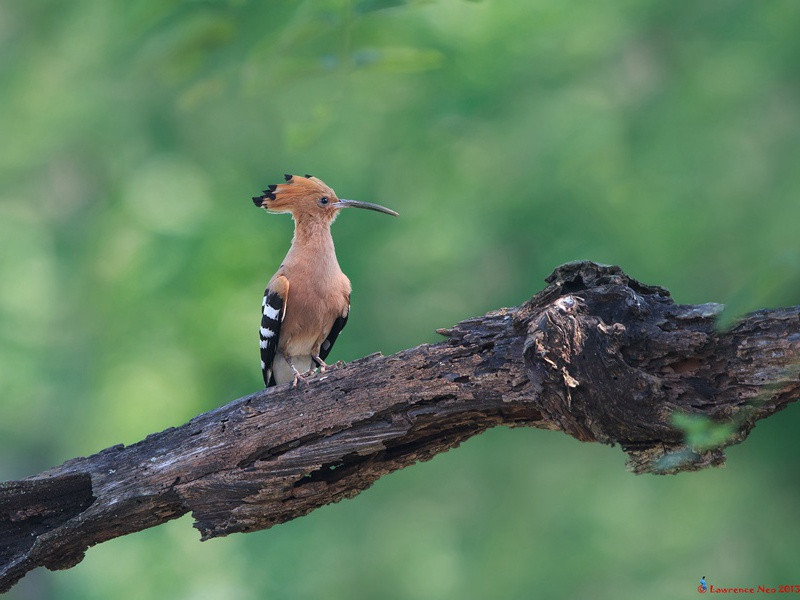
[{"x": 596, "y": 354}]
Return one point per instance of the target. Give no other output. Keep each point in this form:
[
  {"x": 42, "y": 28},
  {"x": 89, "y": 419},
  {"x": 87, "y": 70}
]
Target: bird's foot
[
  {"x": 297, "y": 376},
  {"x": 320, "y": 363}
]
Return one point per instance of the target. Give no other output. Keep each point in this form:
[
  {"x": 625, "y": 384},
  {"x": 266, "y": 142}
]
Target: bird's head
[{"x": 309, "y": 197}]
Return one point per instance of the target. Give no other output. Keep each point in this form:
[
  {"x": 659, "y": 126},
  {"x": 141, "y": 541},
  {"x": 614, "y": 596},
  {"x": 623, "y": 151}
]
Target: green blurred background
[{"x": 511, "y": 137}]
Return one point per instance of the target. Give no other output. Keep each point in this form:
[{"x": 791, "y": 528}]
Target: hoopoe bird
[{"x": 307, "y": 301}]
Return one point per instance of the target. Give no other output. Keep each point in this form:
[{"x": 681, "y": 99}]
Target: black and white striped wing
[
  {"x": 338, "y": 325},
  {"x": 273, "y": 307}
]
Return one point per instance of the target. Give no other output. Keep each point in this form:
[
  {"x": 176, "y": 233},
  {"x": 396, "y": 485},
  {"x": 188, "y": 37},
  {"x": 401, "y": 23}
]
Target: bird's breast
[{"x": 313, "y": 305}]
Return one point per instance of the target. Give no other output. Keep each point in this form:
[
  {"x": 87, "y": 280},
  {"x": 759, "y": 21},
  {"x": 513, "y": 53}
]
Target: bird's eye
[{"x": 324, "y": 200}]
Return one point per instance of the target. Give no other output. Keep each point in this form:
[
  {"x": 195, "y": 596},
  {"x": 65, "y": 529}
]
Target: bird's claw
[
  {"x": 320, "y": 363},
  {"x": 297, "y": 376}
]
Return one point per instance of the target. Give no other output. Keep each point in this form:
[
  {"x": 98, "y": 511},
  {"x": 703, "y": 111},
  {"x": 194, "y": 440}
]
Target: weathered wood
[{"x": 596, "y": 354}]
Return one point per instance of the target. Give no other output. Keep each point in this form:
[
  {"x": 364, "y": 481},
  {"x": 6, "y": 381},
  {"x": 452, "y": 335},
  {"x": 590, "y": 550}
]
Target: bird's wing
[
  {"x": 338, "y": 325},
  {"x": 273, "y": 309}
]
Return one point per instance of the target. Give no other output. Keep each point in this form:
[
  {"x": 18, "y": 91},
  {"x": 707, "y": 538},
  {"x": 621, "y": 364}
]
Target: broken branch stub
[{"x": 613, "y": 360}]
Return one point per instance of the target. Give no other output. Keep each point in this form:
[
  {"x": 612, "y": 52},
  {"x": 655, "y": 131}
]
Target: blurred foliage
[
  {"x": 511, "y": 137},
  {"x": 702, "y": 433}
]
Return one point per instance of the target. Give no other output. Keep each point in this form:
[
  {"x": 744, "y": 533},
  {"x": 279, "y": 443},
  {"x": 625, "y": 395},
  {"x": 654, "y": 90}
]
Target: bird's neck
[{"x": 313, "y": 244}]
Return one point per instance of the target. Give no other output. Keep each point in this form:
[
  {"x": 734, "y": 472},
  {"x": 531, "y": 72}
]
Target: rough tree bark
[{"x": 596, "y": 354}]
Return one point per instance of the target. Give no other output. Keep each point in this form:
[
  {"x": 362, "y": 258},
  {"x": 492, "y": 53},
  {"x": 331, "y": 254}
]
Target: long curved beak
[{"x": 368, "y": 205}]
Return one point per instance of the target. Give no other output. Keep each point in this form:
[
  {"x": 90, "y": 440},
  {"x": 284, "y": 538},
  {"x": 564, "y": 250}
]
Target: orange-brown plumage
[{"x": 307, "y": 301}]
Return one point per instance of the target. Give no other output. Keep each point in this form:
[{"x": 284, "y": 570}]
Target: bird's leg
[
  {"x": 320, "y": 363},
  {"x": 297, "y": 375}
]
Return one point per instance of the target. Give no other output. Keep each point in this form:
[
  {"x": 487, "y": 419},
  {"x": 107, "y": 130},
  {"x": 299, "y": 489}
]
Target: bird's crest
[{"x": 295, "y": 188}]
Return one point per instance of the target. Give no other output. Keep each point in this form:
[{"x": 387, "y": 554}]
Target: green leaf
[{"x": 702, "y": 433}]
